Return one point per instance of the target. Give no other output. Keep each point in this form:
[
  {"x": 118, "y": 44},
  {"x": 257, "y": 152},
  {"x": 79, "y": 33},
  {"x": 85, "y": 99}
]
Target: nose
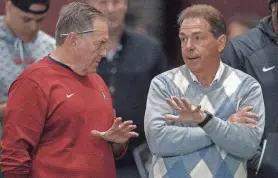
[{"x": 188, "y": 46}]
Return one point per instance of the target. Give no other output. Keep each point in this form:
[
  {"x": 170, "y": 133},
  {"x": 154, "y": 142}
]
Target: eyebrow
[{"x": 194, "y": 33}]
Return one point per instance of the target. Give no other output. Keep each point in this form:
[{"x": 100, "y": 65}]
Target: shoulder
[
  {"x": 235, "y": 76},
  {"x": 173, "y": 77},
  {"x": 248, "y": 43},
  {"x": 38, "y": 71},
  {"x": 45, "y": 39}
]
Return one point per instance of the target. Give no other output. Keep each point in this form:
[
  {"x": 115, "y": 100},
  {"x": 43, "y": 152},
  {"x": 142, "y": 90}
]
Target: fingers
[
  {"x": 248, "y": 120},
  {"x": 179, "y": 102},
  {"x": 242, "y": 120},
  {"x": 117, "y": 122},
  {"x": 171, "y": 117},
  {"x": 133, "y": 134},
  {"x": 130, "y": 128},
  {"x": 186, "y": 104},
  {"x": 173, "y": 104},
  {"x": 246, "y": 109},
  {"x": 250, "y": 115},
  {"x": 251, "y": 126},
  {"x": 125, "y": 124},
  {"x": 197, "y": 109}
]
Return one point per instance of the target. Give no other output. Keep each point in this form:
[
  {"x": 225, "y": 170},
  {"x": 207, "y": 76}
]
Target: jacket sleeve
[
  {"x": 164, "y": 138},
  {"x": 22, "y": 127}
]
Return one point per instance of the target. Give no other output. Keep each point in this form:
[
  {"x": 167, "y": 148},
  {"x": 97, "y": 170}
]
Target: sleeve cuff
[{"x": 210, "y": 126}]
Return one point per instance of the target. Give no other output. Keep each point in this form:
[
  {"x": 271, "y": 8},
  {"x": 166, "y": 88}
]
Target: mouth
[{"x": 192, "y": 58}]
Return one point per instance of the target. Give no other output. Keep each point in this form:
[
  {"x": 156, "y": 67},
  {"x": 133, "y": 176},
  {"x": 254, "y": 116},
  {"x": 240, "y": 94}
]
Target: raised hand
[
  {"x": 187, "y": 111},
  {"x": 120, "y": 132}
]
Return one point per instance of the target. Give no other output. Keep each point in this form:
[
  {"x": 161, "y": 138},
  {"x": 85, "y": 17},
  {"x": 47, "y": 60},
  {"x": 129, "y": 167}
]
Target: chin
[
  {"x": 28, "y": 38},
  {"x": 92, "y": 71},
  {"x": 195, "y": 69}
]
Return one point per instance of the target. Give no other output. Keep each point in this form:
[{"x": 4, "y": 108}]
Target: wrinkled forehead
[
  {"x": 100, "y": 26},
  {"x": 193, "y": 26}
]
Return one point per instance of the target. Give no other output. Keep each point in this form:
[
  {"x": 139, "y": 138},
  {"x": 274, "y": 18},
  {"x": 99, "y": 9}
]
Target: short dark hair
[
  {"x": 207, "y": 12},
  {"x": 75, "y": 17}
]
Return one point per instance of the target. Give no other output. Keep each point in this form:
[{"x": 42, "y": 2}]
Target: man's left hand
[
  {"x": 187, "y": 111},
  {"x": 120, "y": 132}
]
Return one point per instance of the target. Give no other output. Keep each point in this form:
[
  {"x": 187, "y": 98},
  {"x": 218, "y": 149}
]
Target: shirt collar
[{"x": 216, "y": 77}]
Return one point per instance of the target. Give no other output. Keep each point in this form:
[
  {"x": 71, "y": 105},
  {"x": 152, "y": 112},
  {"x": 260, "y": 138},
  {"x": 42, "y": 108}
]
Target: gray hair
[
  {"x": 207, "y": 12},
  {"x": 75, "y": 17}
]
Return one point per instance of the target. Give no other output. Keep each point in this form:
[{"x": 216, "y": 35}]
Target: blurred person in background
[
  {"x": 21, "y": 41},
  {"x": 240, "y": 23},
  {"x": 134, "y": 22},
  {"x": 59, "y": 120},
  {"x": 256, "y": 53},
  {"x": 132, "y": 60}
]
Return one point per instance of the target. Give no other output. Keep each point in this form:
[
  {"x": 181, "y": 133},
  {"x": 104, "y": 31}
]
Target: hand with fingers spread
[
  {"x": 187, "y": 111},
  {"x": 245, "y": 116},
  {"x": 120, "y": 132}
]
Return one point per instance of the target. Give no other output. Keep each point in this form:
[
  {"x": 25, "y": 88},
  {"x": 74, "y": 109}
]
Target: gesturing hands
[
  {"x": 187, "y": 111},
  {"x": 192, "y": 114},
  {"x": 120, "y": 131}
]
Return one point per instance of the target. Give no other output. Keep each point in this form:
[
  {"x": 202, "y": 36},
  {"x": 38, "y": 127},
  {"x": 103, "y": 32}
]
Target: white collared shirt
[{"x": 216, "y": 77}]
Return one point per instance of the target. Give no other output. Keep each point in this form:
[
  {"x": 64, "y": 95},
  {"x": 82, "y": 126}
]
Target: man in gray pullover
[{"x": 204, "y": 119}]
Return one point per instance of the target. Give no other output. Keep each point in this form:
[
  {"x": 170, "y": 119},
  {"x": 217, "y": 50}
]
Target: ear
[
  {"x": 222, "y": 39},
  {"x": 72, "y": 39}
]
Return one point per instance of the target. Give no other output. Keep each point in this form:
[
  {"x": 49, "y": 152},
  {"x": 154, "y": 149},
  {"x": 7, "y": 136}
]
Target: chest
[
  {"x": 263, "y": 65},
  {"x": 80, "y": 105}
]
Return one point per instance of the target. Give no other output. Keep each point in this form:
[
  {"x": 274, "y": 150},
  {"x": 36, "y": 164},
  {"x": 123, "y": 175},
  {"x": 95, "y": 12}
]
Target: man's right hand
[{"x": 245, "y": 116}]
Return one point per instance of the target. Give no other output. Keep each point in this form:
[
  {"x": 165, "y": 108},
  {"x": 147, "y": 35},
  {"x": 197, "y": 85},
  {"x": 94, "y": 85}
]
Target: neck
[
  {"x": 206, "y": 76},
  {"x": 115, "y": 38},
  {"x": 63, "y": 56}
]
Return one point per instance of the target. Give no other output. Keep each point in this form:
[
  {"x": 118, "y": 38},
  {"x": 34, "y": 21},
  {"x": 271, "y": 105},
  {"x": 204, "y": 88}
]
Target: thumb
[{"x": 96, "y": 133}]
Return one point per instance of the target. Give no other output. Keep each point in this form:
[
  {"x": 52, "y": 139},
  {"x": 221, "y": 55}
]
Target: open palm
[
  {"x": 187, "y": 111},
  {"x": 120, "y": 132}
]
